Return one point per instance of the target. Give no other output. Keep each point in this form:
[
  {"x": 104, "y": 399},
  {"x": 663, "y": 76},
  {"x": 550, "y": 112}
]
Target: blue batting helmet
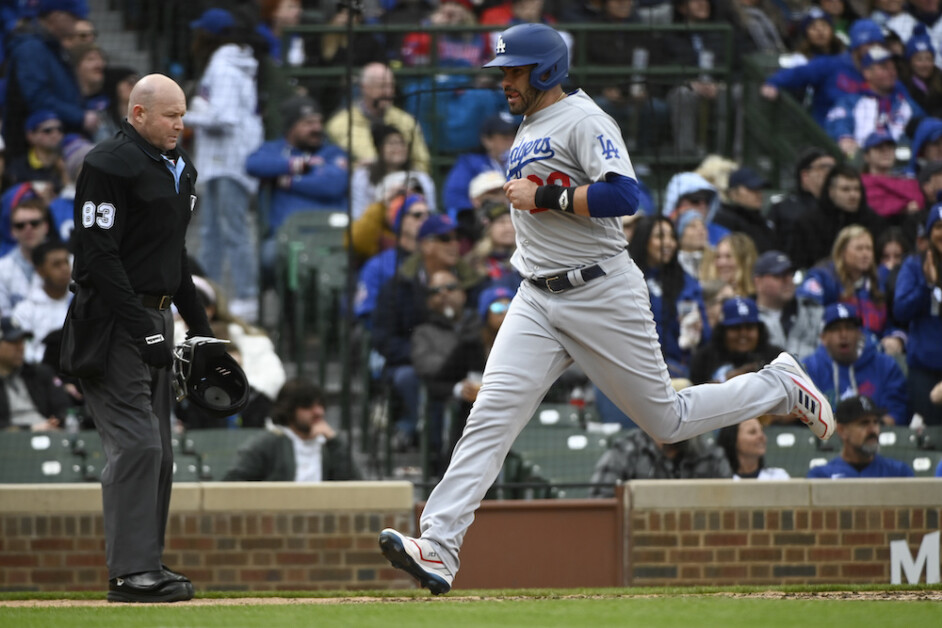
[{"x": 528, "y": 44}]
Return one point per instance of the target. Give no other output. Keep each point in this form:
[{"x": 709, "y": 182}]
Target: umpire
[{"x": 133, "y": 202}]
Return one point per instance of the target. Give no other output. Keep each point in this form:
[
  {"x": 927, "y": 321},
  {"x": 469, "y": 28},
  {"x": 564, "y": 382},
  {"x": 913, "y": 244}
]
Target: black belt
[
  {"x": 161, "y": 302},
  {"x": 561, "y": 283}
]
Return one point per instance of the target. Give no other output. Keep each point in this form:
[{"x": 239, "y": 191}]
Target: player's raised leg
[{"x": 627, "y": 366}]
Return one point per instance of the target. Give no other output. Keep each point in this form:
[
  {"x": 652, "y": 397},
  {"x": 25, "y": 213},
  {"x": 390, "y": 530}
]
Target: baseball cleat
[
  {"x": 418, "y": 558},
  {"x": 813, "y": 408}
]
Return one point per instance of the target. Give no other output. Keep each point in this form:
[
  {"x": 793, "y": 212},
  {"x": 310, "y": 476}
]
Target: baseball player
[{"x": 584, "y": 300}]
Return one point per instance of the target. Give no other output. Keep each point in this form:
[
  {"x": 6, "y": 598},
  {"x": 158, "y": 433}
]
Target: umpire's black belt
[
  {"x": 157, "y": 302},
  {"x": 561, "y": 283}
]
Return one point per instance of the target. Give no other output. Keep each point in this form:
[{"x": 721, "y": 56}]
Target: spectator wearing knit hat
[
  {"x": 919, "y": 73},
  {"x": 302, "y": 171}
]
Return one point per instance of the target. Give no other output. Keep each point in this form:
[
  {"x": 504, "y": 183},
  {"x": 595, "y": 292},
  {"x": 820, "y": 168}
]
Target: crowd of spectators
[{"x": 844, "y": 268}]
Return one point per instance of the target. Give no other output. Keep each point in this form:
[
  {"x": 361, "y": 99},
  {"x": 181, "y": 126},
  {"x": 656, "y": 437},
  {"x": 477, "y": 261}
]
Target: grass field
[{"x": 685, "y": 608}]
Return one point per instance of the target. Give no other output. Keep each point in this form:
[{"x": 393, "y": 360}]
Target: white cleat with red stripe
[
  {"x": 813, "y": 408},
  {"x": 418, "y": 558}
]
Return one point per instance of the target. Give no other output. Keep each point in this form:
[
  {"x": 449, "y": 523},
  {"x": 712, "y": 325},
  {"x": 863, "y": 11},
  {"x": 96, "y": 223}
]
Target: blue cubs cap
[
  {"x": 739, "y": 311},
  {"x": 935, "y": 215},
  {"x": 864, "y": 32},
  {"x": 877, "y": 138},
  {"x": 772, "y": 263},
  {"x": 919, "y": 41},
  {"x": 78, "y": 8},
  {"x": 214, "y": 21},
  {"x": 490, "y": 295},
  {"x": 436, "y": 225},
  {"x": 747, "y": 177},
  {"x": 837, "y": 312},
  {"x": 38, "y": 117},
  {"x": 876, "y": 54}
]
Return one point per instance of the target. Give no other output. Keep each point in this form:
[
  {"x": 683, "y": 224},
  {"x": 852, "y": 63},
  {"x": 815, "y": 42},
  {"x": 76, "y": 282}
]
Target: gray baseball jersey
[
  {"x": 571, "y": 143},
  {"x": 604, "y": 324}
]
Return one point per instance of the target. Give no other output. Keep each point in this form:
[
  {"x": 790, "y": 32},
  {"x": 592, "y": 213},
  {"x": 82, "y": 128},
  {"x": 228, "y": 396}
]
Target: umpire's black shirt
[{"x": 131, "y": 218}]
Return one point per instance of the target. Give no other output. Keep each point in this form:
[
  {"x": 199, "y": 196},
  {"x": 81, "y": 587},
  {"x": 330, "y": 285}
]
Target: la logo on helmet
[{"x": 500, "y": 48}]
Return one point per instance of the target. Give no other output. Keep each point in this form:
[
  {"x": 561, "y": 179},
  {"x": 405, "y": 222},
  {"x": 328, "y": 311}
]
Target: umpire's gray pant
[{"x": 131, "y": 407}]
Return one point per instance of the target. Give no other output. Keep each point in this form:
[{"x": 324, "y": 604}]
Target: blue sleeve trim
[{"x": 617, "y": 195}]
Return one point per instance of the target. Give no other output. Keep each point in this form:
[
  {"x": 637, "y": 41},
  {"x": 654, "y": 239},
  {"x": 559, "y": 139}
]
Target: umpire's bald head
[{"x": 155, "y": 109}]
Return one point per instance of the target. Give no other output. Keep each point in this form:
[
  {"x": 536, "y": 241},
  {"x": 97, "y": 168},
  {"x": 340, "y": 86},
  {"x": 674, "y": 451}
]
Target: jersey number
[
  {"x": 101, "y": 215},
  {"x": 555, "y": 178}
]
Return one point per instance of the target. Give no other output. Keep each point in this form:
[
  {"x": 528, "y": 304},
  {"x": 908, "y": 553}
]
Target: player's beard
[{"x": 528, "y": 100}]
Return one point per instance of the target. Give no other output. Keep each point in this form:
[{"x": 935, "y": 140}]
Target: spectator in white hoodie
[
  {"x": 44, "y": 308},
  {"x": 224, "y": 114}
]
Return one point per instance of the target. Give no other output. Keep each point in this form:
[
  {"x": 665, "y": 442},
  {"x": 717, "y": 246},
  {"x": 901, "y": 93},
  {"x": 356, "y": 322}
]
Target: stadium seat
[
  {"x": 210, "y": 453},
  {"x": 795, "y": 449},
  {"x": 559, "y": 449},
  {"x": 313, "y": 272},
  {"x": 38, "y": 457},
  {"x": 87, "y": 447}
]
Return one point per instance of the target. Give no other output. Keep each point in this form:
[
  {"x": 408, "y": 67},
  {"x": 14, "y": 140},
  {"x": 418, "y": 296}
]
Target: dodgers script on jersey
[{"x": 570, "y": 143}]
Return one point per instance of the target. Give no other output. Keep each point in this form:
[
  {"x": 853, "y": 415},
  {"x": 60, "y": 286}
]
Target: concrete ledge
[
  {"x": 46, "y": 499},
  {"x": 671, "y": 494},
  {"x": 877, "y": 492},
  {"x": 267, "y": 496}
]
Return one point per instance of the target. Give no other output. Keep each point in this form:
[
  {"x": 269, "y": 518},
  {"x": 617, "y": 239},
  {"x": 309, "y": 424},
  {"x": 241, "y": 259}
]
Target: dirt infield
[{"x": 899, "y": 596}]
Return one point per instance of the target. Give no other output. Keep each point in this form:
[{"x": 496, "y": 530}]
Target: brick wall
[
  {"x": 777, "y": 533},
  {"x": 258, "y": 537},
  {"x": 246, "y": 537}
]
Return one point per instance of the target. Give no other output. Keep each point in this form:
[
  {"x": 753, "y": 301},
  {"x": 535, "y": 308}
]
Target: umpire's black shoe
[
  {"x": 150, "y": 586},
  {"x": 179, "y": 577}
]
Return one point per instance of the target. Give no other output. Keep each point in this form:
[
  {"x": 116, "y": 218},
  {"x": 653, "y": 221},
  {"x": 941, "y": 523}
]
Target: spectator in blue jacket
[
  {"x": 830, "y": 76},
  {"x": 40, "y": 75},
  {"x": 858, "y": 425},
  {"x": 497, "y": 136},
  {"x": 382, "y": 267},
  {"x": 883, "y": 105},
  {"x": 845, "y": 364},
  {"x": 302, "y": 171},
  {"x": 918, "y": 303}
]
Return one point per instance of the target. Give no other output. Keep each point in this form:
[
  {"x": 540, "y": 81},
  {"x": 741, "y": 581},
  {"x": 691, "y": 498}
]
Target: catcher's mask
[{"x": 206, "y": 374}]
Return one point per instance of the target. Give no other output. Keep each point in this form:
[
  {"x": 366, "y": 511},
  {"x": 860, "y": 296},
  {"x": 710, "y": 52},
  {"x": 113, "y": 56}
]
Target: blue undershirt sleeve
[{"x": 617, "y": 195}]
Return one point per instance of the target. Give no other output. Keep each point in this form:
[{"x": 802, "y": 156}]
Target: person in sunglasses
[
  {"x": 29, "y": 225},
  {"x": 42, "y": 161},
  {"x": 448, "y": 321},
  {"x": 401, "y": 307}
]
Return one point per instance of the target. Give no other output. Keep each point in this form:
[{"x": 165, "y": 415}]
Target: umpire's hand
[{"x": 155, "y": 351}]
